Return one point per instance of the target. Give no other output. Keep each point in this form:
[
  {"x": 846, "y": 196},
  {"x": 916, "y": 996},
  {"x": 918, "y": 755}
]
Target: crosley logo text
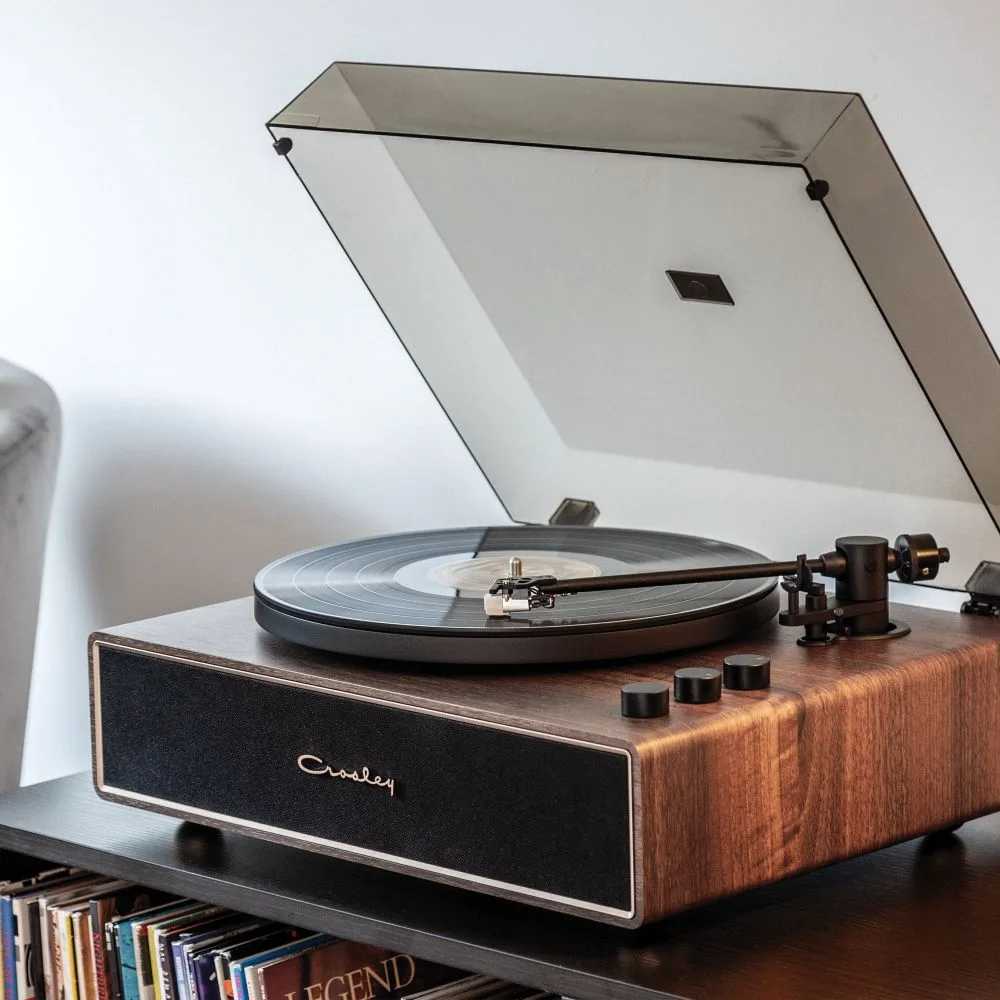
[
  {"x": 312, "y": 764},
  {"x": 390, "y": 975}
]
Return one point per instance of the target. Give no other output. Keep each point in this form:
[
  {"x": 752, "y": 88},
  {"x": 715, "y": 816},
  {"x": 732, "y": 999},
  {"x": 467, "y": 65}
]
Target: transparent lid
[{"x": 709, "y": 310}]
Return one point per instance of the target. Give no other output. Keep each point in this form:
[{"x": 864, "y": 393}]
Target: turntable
[{"x": 695, "y": 337}]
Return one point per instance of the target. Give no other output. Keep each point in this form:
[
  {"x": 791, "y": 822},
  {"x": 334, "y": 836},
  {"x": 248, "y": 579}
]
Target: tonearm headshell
[{"x": 859, "y": 609}]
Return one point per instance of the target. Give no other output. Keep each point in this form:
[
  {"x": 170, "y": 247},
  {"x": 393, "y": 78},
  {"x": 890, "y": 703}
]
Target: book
[
  {"x": 51, "y": 932},
  {"x": 83, "y": 953},
  {"x": 7, "y": 947},
  {"x": 35, "y": 950},
  {"x": 67, "y": 955},
  {"x": 112, "y": 962},
  {"x": 346, "y": 970}
]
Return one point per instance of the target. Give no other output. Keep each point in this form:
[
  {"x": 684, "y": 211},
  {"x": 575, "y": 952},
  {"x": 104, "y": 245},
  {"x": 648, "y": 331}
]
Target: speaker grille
[{"x": 485, "y": 804}]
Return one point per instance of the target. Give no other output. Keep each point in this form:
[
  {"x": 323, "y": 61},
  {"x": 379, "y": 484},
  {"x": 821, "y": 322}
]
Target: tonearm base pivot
[{"x": 860, "y": 565}]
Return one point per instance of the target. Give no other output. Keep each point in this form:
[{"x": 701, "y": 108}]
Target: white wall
[{"x": 229, "y": 390}]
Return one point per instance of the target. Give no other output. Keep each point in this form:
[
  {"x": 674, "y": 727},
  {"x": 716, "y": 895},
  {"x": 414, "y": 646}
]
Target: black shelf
[{"x": 921, "y": 919}]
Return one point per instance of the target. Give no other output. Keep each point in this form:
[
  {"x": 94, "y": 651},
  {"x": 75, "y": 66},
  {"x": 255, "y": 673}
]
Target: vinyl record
[{"x": 419, "y": 596}]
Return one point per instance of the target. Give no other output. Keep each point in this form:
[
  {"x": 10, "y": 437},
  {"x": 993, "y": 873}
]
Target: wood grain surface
[
  {"x": 855, "y": 746},
  {"x": 916, "y": 921}
]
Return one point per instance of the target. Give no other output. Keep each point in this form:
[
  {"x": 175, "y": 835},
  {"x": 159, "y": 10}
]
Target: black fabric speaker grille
[{"x": 534, "y": 812}]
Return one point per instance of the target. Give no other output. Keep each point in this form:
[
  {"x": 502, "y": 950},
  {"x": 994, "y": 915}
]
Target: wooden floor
[{"x": 919, "y": 920}]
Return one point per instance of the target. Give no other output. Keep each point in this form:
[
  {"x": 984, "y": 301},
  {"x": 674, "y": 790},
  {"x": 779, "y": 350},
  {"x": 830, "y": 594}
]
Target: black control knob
[
  {"x": 746, "y": 672},
  {"x": 645, "y": 700},
  {"x": 697, "y": 685}
]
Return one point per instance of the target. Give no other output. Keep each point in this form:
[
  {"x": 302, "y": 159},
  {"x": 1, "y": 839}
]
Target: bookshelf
[{"x": 920, "y": 919}]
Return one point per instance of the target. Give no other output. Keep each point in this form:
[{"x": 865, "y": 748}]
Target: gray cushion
[{"x": 29, "y": 446}]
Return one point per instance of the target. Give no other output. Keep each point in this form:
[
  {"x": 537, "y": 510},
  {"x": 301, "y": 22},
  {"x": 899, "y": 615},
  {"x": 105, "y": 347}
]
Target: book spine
[
  {"x": 9, "y": 964},
  {"x": 159, "y": 954},
  {"x": 55, "y": 950},
  {"x": 68, "y": 955},
  {"x": 43, "y": 921},
  {"x": 222, "y": 983},
  {"x": 173, "y": 983},
  {"x": 143, "y": 966},
  {"x": 82, "y": 952},
  {"x": 254, "y": 984},
  {"x": 3, "y": 988},
  {"x": 22, "y": 948},
  {"x": 187, "y": 974},
  {"x": 111, "y": 973},
  {"x": 76, "y": 932},
  {"x": 36, "y": 956},
  {"x": 236, "y": 974},
  {"x": 88, "y": 955},
  {"x": 184, "y": 973},
  {"x": 97, "y": 949},
  {"x": 126, "y": 962},
  {"x": 203, "y": 978}
]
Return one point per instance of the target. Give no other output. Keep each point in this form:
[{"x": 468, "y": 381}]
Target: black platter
[{"x": 419, "y": 596}]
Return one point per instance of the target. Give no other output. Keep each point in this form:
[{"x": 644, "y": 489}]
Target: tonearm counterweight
[{"x": 860, "y": 565}]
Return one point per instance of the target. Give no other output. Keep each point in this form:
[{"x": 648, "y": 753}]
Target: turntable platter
[{"x": 419, "y": 596}]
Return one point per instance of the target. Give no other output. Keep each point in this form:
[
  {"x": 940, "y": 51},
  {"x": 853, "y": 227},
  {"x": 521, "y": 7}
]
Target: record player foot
[
  {"x": 200, "y": 844},
  {"x": 944, "y": 834}
]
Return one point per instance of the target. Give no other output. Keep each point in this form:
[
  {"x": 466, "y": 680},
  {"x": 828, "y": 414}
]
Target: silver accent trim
[{"x": 397, "y": 863}]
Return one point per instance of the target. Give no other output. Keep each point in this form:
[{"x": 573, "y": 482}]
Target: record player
[{"x": 678, "y": 326}]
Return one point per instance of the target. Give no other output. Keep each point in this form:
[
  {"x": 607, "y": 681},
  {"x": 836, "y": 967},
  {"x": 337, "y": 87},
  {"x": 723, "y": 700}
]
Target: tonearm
[{"x": 860, "y": 565}]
